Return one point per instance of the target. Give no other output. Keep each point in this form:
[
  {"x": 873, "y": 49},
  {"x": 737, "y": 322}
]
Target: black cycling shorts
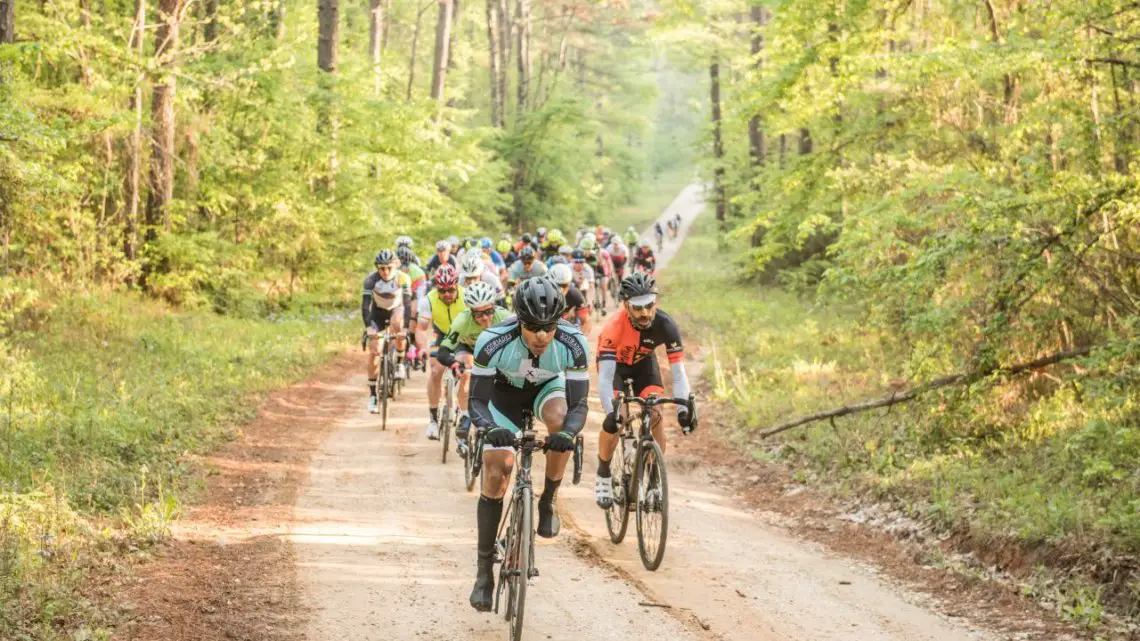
[
  {"x": 646, "y": 377},
  {"x": 381, "y": 318}
]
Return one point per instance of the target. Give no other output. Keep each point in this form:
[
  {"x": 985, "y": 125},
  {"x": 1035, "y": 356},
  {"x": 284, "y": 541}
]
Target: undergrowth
[
  {"x": 1049, "y": 468},
  {"x": 104, "y": 400}
]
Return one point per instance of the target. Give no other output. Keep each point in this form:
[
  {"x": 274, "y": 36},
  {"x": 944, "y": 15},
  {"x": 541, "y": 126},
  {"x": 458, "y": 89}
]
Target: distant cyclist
[
  {"x": 387, "y": 291},
  {"x": 473, "y": 269},
  {"x": 619, "y": 255},
  {"x": 626, "y": 350},
  {"x": 660, "y": 233},
  {"x": 631, "y": 236},
  {"x": 577, "y": 311},
  {"x": 443, "y": 256},
  {"x": 527, "y": 266},
  {"x": 644, "y": 259},
  {"x": 537, "y": 364},
  {"x": 438, "y": 310}
]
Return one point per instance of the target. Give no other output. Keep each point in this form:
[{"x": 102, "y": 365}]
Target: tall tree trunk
[
  {"x": 277, "y": 20},
  {"x": 455, "y": 17},
  {"x": 134, "y": 144},
  {"x": 718, "y": 142},
  {"x": 210, "y": 29},
  {"x": 806, "y": 144},
  {"x": 387, "y": 26},
  {"x": 505, "y": 48},
  {"x": 494, "y": 60},
  {"x": 163, "y": 121},
  {"x": 415, "y": 47},
  {"x": 328, "y": 50},
  {"x": 757, "y": 144},
  {"x": 439, "y": 59},
  {"x": 523, "y": 26},
  {"x": 7, "y": 21},
  {"x": 375, "y": 41}
]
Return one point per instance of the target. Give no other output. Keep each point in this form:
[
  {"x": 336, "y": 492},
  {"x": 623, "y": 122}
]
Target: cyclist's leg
[
  {"x": 607, "y": 441},
  {"x": 649, "y": 382},
  {"x": 550, "y": 406},
  {"x": 397, "y": 324},
  {"x": 496, "y": 473},
  {"x": 435, "y": 383},
  {"x": 463, "y": 354}
]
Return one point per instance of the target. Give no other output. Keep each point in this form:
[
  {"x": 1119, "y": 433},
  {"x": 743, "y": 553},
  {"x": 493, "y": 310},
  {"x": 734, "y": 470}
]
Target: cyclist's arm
[
  {"x": 482, "y": 384},
  {"x": 577, "y": 390},
  {"x": 444, "y": 355},
  {"x": 607, "y": 369},
  {"x": 366, "y": 303},
  {"x": 675, "y": 352}
]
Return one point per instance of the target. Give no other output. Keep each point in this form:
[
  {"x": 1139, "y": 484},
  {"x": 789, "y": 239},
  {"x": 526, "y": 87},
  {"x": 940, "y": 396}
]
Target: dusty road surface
[{"x": 384, "y": 539}]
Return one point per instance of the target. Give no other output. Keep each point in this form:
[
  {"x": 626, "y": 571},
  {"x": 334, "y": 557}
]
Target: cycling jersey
[
  {"x": 583, "y": 277},
  {"x": 576, "y": 308},
  {"x": 508, "y": 378},
  {"x": 519, "y": 272},
  {"x": 418, "y": 278},
  {"x": 435, "y": 263},
  {"x": 465, "y": 331},
  {"x": 647, "y": 261},
  {"x": 439, "y": 313},
  {"x": 625, "y": 351},
  {"x": 384, "y": 294},
  {"x": 605, "y": 262}
]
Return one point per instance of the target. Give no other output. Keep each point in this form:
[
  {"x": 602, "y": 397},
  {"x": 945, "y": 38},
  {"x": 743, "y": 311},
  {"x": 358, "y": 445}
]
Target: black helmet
[
  {"x": 385, "y": 257},
  {"x": 526, "y": 252},
  {"x": 579, "y": 256},
  {"x": 638, "y": 284},
  {"x": 538, "y": 301},
  {"x": 405, "y": 255},
  {"x": 558, "y": 260},
  {"x": 527, "y": 238}
]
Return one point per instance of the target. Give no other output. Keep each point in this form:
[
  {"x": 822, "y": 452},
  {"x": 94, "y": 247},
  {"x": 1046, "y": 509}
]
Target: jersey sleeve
[
  {"x": 577, "y": 380},
  {"x": 671, "y": 338},
  {"x": 424, "y": 311},
  {"x": 483, "y": 381}
]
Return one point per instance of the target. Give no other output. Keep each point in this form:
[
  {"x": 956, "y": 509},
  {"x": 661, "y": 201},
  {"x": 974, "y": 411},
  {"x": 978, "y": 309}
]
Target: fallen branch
[{"x": 945, "y": 381}]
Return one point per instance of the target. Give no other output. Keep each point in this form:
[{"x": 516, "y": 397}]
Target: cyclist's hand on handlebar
[
  {"x": 372, "y": 330},
  {"x": 458, "y": 368},
  {"x": 685, "y": 420},
  {"x": 500, "y": 437},
  {"x": 559, "y": 442},
  {"x": 609, "y": 424}
]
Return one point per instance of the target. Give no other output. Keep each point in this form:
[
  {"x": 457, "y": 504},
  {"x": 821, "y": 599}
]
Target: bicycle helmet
[
  {"x": 442, "y": 245},
  {"x": 556, "y": 236},
  {"x": 565, "y": 250},
  {"x": 404, "y": 241},
  {"x": 539, "y": 301},
  {"x": 527, "y": 239},
  {"x": 385, "y": 257},
  {"x": 504, "y": 246},
  {"x": 637, "y": 285},
  {"x": 486, "y": 243},
  {"x": 578, "y": 256},
  {"x": 446, "y": 277},
  {"x": 405, "y": 255},
  {"x": 558, "y": 260},
  {"x": 479, "y": 294},
  {"x": 526, "y": 252},
  {"x": 631, "y": 230},
  {"x": 588, "y": 243},
  {"x": 560, "y": 274},
  {"x": 541, "y": 232},
  {"x": 645, "y": 244},
  {"x": 472, "y": 266}
]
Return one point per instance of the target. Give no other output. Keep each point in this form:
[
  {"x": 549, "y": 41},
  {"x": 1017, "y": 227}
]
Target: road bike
[
  {"x": 472, "y": 455},
  {"x": 514, "y": 548},
  {"x": 640, "y": 480},
  {"x": 386, "y": 381},
  {"x": 599, "y": 299}
]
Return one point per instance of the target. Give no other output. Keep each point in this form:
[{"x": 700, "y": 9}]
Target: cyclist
[
  {"x": 526, "y": 240},
  {"x": 410, "y": 266},
  {"x": 527, "y": 266},
  {"x": 489, "y": 253},
  {"x": 473, "y": 269},
  {"x": 406, "y": 242},
  {"x": 619, "y": 254},
  {"x": 533, "y": 362},
  {"x": 631, "y": 236},
  {"x": 660, "y": 233},
  {"x": 598, "y": 260},
  {"x": 443, "y": 256},
  {"x": 577, "y": 311},
  {"x": 554, "y": 240},
  {"x": 457, "y": 350},
  {"x": 540, "y": 236},
  {"x": 506, "y": 249},
  {"x": 626, "y": 351},
  {"x": 643, "y": 259},
  {"x": 387, "y": 291},
  {"x": 583, "y": 273},
  {"x": 437, "y": 312}
]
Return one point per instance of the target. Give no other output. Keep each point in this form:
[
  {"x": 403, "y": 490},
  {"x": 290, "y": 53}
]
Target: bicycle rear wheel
[
  {"x": 474, "y": 453},
  {"x": 385, "y": 390},
  {"x": 579, "y": 456},
  {"x": 617, "y": 517},
  {"x": 520, "y": 550},
  {"x": 652, "y": 505}
]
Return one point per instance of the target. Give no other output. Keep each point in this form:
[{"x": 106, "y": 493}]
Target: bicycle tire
[
  {"x": 384, "y": 391},
  {"x": 579, "y": 456},
  {"x": 445, "y": 417},
  {"x": 524, "y": 545},
  {"x": 474, "y": 450},
  {"x": 617, "y": 516},
  {"x": 651, "y": 534}
]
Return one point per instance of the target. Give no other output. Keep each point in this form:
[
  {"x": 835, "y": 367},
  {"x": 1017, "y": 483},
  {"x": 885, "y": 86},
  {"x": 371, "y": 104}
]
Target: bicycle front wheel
[
  {"x": 385, "y": 391},
  {"x": 519, "y": 551},
  {"x": 474, "y": 453},
  {"x": 652, "y": 505},
  {"x": 617, "y": 517},
  {"x": 446, "y": 417}
]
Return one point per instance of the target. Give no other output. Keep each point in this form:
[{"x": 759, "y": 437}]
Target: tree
[
  {"x": 522, "y": 19},
  {"x": 718, "y": 141},
  {"x": 376, "y": 28},
  {"x": 134, "y": 144},
  {"x": 7, "y": 21},
  {"x": 440, "y": 57},
  {"x": 756, "y": 141},
  {"x": 328, "y": 42},
  {"x": 163, "y": 119},
  {"x": 494, "y": 62}
]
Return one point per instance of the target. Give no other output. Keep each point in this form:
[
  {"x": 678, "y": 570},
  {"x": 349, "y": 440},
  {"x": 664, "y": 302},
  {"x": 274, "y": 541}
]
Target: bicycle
[
  {"x": 641, "y": 482},
  {"x": 514, "y": 547},
  {"x": 449, "y": 413},
  {"x": 599, "y": 300},
  {"x": 472, "y": 457}
]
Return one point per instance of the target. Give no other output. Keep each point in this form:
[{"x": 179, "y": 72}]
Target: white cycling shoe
[
  {"x": 604, "y": 492},
  {"x": 432, "y": 431},
  {"x": 373, "y": 405},
  {"x": 401, "y": 371}
]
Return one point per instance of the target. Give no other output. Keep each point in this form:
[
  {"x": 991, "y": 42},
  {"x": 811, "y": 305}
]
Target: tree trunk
[
  {"x": 387, "y": 26},
  {"x": 412, "y": 55},
  {"x": 806, "y": 145},
  {"x": 162, "y": 117},
  {"x": 505, "y": 48},
  {"x": 455, "y": 17},
  {"x": 375, "y": 41},
  {"x": 439, "y": 59},
  {"x": 134, "y": 144},
  {"x": 328, "y": 12},
  {"x": 210, "y": 29},
  {"x": 494, "y": 61},
  {"x": 7, "y": 21},
  {"x": 523, "y": 19},
  {"x": 277, "y": 20},
  {"x": 718, "y": 142},
  {"x": 757, "y": 144}
]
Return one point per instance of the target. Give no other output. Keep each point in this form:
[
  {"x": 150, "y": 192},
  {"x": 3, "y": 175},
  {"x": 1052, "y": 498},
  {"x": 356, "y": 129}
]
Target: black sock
[
  {"x": 372, "y": 387},
  {"x": 434, "y": 413},
  {"x": 603, "y": 468},
  {"x": 549, "y": 491},
  {"x": 487, "y": 515}
]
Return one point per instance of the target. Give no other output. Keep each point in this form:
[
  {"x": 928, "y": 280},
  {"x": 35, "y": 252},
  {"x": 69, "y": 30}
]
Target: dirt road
[{"x": 384, "y": 539}]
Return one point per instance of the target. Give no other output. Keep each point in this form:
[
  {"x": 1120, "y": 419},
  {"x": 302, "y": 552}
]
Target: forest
[{"x": 202, "y": 181}]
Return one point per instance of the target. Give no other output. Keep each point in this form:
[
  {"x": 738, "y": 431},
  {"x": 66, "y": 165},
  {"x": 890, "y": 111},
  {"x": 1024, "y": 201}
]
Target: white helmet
[
  {"x": 479, "y": 294},
  {"x": 472, "y": 266},
  {"x": 565, "y": 250},
  {"x": 404, "y": 241},
  {"x": 560, "y": 274}
]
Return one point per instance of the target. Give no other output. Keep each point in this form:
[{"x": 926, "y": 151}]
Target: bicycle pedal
[{"x": 532, "y": 573}]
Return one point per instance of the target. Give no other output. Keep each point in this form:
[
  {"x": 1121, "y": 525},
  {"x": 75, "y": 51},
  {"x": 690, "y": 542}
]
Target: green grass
[
  {"x": 656, "y": 194},
  {"x": 1018, "y": 462},
  {"x": 103, "y": 399}
]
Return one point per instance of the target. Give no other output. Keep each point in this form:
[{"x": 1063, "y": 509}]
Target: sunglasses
[
  {"x": 449, "y": 290},
  {"x": 490, "y": 311},
  {"x": 547, "y": 328},
  {"x": 383, "y": 268},
  {"x": 643, "y": 308}
]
